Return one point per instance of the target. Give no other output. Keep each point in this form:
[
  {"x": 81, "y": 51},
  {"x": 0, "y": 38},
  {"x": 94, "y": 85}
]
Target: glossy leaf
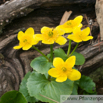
[
  {"x": 60, "y": 53},
  {"x": 75, "y": 88},
  {"x": 41, "y": 65},
  {"x": 79, "y": 58},
  {"x": 87, "y": 84},
  {"x": 47, "y": 91},
  {"x": 13, "y": 97},
  {"x": 24, "y": 91}
]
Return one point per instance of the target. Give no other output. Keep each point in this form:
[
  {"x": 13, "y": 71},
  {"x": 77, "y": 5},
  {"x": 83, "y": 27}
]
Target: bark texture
[
  {"x": 99, "y": 14},
  {"x": 14, "y": 64},
  {"x": 17, "y": 8}
]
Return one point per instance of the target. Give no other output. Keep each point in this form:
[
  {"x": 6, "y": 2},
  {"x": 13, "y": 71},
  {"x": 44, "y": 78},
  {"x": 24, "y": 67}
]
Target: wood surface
[
  {"x": 99, "y": 15},
  {"x": 14, "y": 64}
]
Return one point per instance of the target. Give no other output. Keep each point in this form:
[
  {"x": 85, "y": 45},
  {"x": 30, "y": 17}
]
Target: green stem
[
  {"x": 69, "y": 48},
  {"x": 49, "y": 77},
  {"x": 40, "y": 52},
  {"x": 51, "y": 52},
  {"x": 51, "y": 58},
  {"x": 74, "y": 49}
]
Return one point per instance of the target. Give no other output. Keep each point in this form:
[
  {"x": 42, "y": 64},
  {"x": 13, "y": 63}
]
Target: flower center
[
  {"x": 64, "y": 69},
  {"x": 81, "y": 36},
  {"x": 25, "y": 40},
  {"x": 69, "y": 23},
  {"x": 50, "y": 33}
]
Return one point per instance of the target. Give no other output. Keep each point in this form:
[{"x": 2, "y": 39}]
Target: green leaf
[
  {"x": 60, "y": 53},
  {"x": 24, "y": 91},
  {"x": 47, "y": 91},
  {"x": 79, "y": 58},
  {"x": 13, "y": 97},
  {"x": 41, "y": 65},
  {"x": 75, "y": 88},
  {"x": 48, "y": 55},
  {"x": 87, "y": 84}
]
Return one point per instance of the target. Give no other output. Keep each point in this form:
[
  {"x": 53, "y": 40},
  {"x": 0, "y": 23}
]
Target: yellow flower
[
  {"x": 26, "y": 40},
  {"x": 80, "y": 35},
  {"x": 50, "y": 35},
  {"x": 63, "y": 70},
  {"x": 71, "y": 24}
]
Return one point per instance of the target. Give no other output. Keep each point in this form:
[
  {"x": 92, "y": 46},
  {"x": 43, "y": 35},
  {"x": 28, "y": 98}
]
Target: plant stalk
[
  {"x": 40, "y": 52},
  {"x": 74, "y": 49},
  {"x": 51, "y": 52},
  {"x": 69, "y": 48},
  {"x": 51, "y": 58}
]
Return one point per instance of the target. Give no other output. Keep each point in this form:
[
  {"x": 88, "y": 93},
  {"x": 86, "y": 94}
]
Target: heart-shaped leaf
[
  {"x": 87, "y": 84},
  {"x": 41, "y": 65},
  {"x": 47, "y": 91},
  {"x": 60, "y": 53},
  {"x": 24, "y": 91},
  {"x": 79, "y": 58}
]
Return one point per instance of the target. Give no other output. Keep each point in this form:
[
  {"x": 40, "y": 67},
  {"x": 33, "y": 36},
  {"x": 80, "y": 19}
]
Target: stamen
[
  {"x": 25, "y": 40},
  {"x": 64, "y": 69},
  {"x": 69, "y": 23},
  {"x": 50, "y": 33}
]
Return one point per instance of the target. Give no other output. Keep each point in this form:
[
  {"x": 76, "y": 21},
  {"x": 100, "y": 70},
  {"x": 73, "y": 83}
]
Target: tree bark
[
  {"x": 14, "y": 64},
  {"x": 18, "y": 8},
  {"x": 99, "y": 14}
]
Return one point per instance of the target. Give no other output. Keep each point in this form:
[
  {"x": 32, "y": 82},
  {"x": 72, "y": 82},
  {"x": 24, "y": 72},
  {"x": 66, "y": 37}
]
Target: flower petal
[
  {"x": 20, "y": 35},
  {"x": 61, "y": 78},
  {"x": 75, "y": 75},
  {"x": 59, "y": 31},
  {"x": 59, "y": 27},
  {"x": 31, "y": 40},
  {"x": 61, "y": 40},
  {"x": 80, "y": 25},
  {"x": 58, "y": 62},
  {"x": 77, "y": 31},
  {"x": 27, "y": 46},
  {"x": 53, "y": 72},
  {"x": 78, "y": 20},
  {"x": 34, "y": 42},
  {"x": 47, "y": 42},
  {"x": 29, "y": 31},
  {"x": 75, "y": 38},
  {"x": 45, "y": 30},
  {"x": 70, "y": 62},
  {"x": 66, "y": 29},
  {"x": 88, "y": 38},
  {"x": 86, "y": 31},
  {"x": 38, "y": 37},
  {"x": 71, "y": 37},
  {"x": 17, "y": 47}
]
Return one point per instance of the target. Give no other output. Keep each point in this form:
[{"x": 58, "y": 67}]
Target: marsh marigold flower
[
  {"x": 80, "y": 35},
  {"x": 71, "y": 24},
  {"x": 63, "y": 70},
  {"x": 26, "y": 40},
  {"x": 51, "y": 35}
]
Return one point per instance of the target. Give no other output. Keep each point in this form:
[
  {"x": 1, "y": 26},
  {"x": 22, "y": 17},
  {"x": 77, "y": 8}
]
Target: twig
[
  {"x": 88, "y": 24},
  {"x": 65, "y": 17}
]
